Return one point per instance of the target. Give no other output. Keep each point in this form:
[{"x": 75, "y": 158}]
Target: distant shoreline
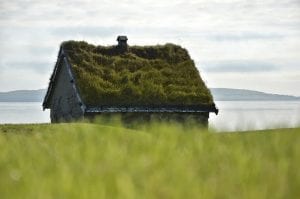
[
  {"x": 228, "y": 94},
  {"x": 219, "y": 94}
]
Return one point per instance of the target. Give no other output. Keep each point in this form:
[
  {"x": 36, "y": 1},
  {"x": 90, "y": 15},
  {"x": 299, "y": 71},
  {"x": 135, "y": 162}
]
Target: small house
[{"x": 159, "y": 81}]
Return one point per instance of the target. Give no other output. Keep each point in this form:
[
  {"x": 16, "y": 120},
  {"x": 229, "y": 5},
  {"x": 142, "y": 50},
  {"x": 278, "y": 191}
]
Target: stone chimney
[{"x": 122, "y": 43}]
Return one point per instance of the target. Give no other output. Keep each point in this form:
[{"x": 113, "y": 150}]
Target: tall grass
[{"x": 156, "y": 161}]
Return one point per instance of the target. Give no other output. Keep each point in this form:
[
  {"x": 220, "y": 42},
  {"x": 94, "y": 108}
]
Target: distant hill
[
  {"x": 220, "y": 94},
  {"x": 228, "y": 94},
  {"x": 23, "y": 96}
]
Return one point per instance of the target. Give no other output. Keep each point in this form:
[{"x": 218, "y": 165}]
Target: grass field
[{"x": 157, "y": 161}]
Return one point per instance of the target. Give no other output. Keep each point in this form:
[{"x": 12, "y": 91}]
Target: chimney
[{"x": 122, "y": 42}]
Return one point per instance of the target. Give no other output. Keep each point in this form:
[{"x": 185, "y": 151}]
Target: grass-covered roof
[{"x": 143, "y": 75}]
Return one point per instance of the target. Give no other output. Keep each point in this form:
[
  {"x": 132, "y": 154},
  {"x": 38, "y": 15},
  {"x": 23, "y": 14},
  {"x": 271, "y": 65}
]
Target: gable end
[{"x": 62, "y": 59}]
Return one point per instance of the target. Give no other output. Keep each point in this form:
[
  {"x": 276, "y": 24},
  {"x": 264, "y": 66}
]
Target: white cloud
[
  {"x": 239, "y": 66},
  {"x": 19, "y": 78}
]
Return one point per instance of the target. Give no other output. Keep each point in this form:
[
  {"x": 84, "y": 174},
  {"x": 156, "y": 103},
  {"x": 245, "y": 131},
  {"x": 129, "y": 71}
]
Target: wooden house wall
[
  {"x": 136, "y": 118},
  {"x": 64, "y": 102}
]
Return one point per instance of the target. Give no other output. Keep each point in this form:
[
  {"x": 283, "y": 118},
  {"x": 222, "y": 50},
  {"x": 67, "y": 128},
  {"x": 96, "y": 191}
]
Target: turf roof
[{"x": 141, "y": 76}]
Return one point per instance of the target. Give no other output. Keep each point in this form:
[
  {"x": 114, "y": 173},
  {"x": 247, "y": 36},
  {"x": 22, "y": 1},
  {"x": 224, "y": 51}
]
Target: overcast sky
[{"x": 234, "y": 43}]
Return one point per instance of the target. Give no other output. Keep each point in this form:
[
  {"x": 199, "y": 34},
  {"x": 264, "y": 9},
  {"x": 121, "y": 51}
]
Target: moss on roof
[{"x": 143, "y": 75}]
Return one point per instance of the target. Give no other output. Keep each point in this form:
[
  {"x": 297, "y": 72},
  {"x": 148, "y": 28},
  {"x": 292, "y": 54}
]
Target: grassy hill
[
  {"x": 143, "y": 75},
  {"x": 157, "y": 161}
]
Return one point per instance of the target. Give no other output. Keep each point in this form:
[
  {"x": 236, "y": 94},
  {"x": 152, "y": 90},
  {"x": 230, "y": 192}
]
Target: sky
[{"x": 234, "y": 43}]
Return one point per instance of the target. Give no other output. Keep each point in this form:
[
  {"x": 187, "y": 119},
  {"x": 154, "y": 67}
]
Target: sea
[{"x": 233, "y": 115}]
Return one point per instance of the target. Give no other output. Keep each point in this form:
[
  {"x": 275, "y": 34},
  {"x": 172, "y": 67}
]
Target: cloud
[
  {"x": 87, "y": 31},
  {"x": 240, "y": 36},
  {"x": 239, "y": 66},
  {"x": 27, "y": 67},
  {"x": 15, "y": 79},
  {"x": 255, "y": 36}
]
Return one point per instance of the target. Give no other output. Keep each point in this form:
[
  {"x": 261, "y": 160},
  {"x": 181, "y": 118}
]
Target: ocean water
[
  {"x": 23, "y": 112},
  {"x": 255, "y": 115},
  {"x": 233, "y": 115}
]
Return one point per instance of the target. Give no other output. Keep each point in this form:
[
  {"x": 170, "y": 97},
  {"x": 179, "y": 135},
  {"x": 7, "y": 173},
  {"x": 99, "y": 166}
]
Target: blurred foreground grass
[{"x": 157, "y": 161}]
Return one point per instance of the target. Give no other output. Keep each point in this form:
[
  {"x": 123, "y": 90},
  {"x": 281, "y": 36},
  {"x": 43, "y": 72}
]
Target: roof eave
[
  {"x": 151, "y": 109},
  {"x": 52, "y": 78}
]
